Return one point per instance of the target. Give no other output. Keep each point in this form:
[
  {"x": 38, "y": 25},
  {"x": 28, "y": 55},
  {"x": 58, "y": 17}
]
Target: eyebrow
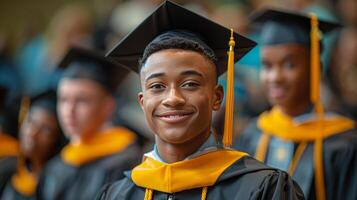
[
  {"x": 184, "y": 73},
  {"x": 192, "y": 72},
  {"x": 155, "y": 75}
]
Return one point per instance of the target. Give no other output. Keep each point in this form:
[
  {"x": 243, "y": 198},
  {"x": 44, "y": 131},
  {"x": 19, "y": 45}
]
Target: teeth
[{"x": 174, "y": 116}]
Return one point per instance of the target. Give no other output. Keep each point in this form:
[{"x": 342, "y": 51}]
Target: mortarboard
[
  {"x": 170, "y": 17},
  {"x": 171, "y": 22},
  {"x": 282, "y": 27},
  {"x": 81, "y": 63},
  {"x": 46, "y": 100}
]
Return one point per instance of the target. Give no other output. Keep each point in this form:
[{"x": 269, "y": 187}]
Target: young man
[
  {"x": 178, "y": 71},
  {"x": 318, "y": 150},
  {"x": 98, "y": 152},
  {"x": 40, "y": 138}
]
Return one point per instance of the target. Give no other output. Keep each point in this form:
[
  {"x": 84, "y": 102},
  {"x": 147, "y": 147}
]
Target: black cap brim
[
  {"x": 281, "y": 27},
  {"x": 99, "y": 68}
]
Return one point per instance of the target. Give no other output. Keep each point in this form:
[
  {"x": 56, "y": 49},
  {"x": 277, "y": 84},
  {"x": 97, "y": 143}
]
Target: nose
[
  {"x": 67, "y": 108},
  {"x": 174, "y": 98},
  {"x": 276, "y": 75},
  {"x": 33, "y": 130}
]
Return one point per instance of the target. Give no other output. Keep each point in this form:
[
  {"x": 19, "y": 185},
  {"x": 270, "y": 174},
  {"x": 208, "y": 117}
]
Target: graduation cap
[
  {"x": 169, "y": 21},
  {"x": 46, "y": 100},
  {"x": 171, "y": 26},
  {"x": 81, "y": 63},
  {"x": 282, "y": 27}
]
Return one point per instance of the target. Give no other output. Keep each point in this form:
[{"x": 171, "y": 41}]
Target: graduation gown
[
  {"x": 8, "y": 156},
  {"x": 245, "y": 178},
  {"x": 7, "y": 168},
  {"x": 339, "y": 155},
  {"x": 22, "y": 184},
  {"x": 76, "y": 176}
]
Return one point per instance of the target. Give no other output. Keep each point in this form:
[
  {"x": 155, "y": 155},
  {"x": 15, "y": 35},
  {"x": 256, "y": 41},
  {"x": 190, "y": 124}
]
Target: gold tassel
[
  {"x": 299, "y": 151},
  {"x": 262, "y": 147},
  {"x": 204, "y": 193},
  {"x": 24, "y": 108},
  {"x": 316, "y": 100},
  {"x": 148, "y": 194},
  {"x": 228, "y": 122}
]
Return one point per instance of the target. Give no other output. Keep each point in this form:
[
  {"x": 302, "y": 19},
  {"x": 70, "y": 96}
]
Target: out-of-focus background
[{"x": 35, "y": 35}]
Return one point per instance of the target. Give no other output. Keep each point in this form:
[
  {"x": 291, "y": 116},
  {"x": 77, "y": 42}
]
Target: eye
[
  {"x": 190, "y": 84},
  {"x": 288, "y": 65},
  {"x": 266, "y": 66},
  {"x": 157, "y": 86}
]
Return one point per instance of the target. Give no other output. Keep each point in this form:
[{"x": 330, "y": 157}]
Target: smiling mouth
[
  {"x": 175, "y": 117},
  {"x": 277, "y": 93}
]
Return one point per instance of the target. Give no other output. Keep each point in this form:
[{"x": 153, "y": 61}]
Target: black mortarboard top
[
  {"x": 283, "y": 27},
  {"x": 81, "y": 63},
  {"x": 46, "y": 100},
  {"x": 171, "y": 21}
]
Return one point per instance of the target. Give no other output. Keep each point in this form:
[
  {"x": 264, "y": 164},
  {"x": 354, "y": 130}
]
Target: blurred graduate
[
  {"x": 317, "y": 148},
  {"x": 98, "y": 152},
  {"x": 180, "y": 56},
  {"x": 40, "y": 138}
]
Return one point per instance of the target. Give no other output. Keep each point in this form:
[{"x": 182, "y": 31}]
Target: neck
[
  {"x": 296, "y": 109},
  {"x": 37, "y": 165},
  {"x": 77, "y": 139},
  {"x": 171, "y": 153}
]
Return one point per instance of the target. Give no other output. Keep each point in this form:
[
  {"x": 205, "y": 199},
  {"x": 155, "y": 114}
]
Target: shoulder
[
  {"x": 255, "y": 180},
  {"x": 122, "y": 189},
  {"x": 345, "y": 141},
  {"x": 249, "y": 138},
  {"x": 7, "y": 165},
  {"x": 123, "y": 160}
]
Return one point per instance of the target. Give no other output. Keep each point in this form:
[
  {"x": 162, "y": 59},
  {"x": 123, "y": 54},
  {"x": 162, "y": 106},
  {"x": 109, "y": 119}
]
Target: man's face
[
  {"x": 39, "y": 134},
  {"x": 285, "y": 74},
  {"x": 83, "y": 107},
  {"x": 178, "y": 95}
]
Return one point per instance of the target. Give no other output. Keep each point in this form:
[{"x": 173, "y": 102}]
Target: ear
[
  {"x": 141, "y": 100},
  {"x": 218, "y": 97}
]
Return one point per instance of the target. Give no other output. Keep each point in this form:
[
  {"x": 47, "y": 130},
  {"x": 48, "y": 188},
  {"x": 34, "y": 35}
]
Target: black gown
[
  {"x": 339, "y": 162},
  {"x": 10, "y": 193},
  {"x": 246, "y": 178},
  {"x": 7, "y": 169},
  {"x": 61, "y": 181}
]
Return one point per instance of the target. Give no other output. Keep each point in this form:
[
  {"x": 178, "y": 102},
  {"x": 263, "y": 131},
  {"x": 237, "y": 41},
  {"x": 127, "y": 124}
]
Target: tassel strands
[
  {"x": 228, "y": 122},
  {"x": 24, "y": 107},
  {"x": 204, "y": 193},
  {"x": 148, "y": 194},
  {"x": 319, "y": 111}
]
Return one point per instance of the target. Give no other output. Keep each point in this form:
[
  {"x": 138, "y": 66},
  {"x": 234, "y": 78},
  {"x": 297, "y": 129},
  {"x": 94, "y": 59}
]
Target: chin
[{"x": 174, "y": 136}]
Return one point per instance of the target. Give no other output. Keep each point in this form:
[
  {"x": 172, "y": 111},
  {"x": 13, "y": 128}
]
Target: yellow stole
[
  {"x": 275, "y": 123},
  {"x": 98, "y": 145},
  {"x": 8, "y": 146},
  {"x": 201, "y": 171},
  {"x": 24, "y": 181}
]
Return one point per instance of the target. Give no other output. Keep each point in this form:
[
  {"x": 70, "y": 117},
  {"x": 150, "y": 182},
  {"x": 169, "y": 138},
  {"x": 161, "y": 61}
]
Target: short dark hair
[{"x": 168, "y": 41}]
